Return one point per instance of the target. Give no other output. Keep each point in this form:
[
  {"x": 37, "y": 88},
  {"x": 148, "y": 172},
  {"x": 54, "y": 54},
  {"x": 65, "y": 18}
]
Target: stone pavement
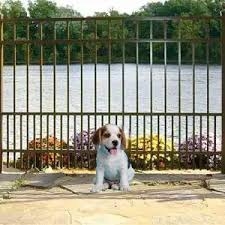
[{"x": 156, "y": 197}]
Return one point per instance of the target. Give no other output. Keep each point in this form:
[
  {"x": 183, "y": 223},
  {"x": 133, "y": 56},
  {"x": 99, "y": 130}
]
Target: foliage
[
  {"x": 18, "y": 183},
  {"x": 151, "y": 152},
  {"x": 187, "y": 29},
  {"x": 198, "y": 144},
  {"x": 13, "y": 8},
  {"x": 81, "y": 142},
  {"x": 43, "y": 159},
  {"x": 42, "y": 8},
  {"x": 77, "y": 151}
]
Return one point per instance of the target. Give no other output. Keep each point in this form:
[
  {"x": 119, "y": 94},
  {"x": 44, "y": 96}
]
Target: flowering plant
[
  {"x": 151, "y": 152},
  {"x": 204, "y": 151}
]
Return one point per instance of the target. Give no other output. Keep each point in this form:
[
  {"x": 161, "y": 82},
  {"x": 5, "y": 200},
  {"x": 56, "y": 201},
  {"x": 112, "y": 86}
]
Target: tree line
[{"x": 102, "y": 39}]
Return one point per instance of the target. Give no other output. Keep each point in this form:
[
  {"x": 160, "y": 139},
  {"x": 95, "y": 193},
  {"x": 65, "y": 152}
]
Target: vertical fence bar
[
  {"x": 158, "y": 139},
  {"x": 172, "y": 143},
  {"x": 137, "y": 85},
  {"x": 123, "y": 72},
  {"x": 34, "y": 148},
  {"x": 95, "y": 76},
  {"x": 179, "y": 92},
  {"x": 193, "y": 98},
  {"x": 214, "y": 150},
  {"x": 88, "y": 147},
  {"x": 75, "y": 140},
  {"x": 186, "y": 141},
  {"x": 14, "y": 95},
  {"x": 41, "y": 87},
  {"x": 27, "y": 81},
  {"x": 21, "y": 137},
  {"x": 109, "y": 69},
  {"x": 54, "y": 92},
  {"x": 165, "y": 89},
  {"x": 102, "y": 120},
  {"x": 223, "y": 91},
  {"x": 151, "y": 92},
  {"x": 1, "y": 87},
  {"x": 7, "y": 160},
  {"x": 130, "y": 134},
  {"x": 68, "y": 92},
  {"x": 81, "y": 90},
  {"x": 207, "y": 89},
  {"x": 47, "y": 129},
  {"x": 61, "y": 142},
  {"x": 200, "y": 156},
  {"x": 144, "y": 134}
]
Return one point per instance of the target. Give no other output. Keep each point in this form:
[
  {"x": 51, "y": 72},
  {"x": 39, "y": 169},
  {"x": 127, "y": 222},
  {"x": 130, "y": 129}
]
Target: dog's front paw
[
  {"x": 97, "y": 188},
  {"x": 115, "y": 187},
  {"x": 125, "y": 187}
]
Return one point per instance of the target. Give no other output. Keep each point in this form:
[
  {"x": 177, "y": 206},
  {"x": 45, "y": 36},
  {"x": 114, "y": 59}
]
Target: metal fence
[{"x": 61, "y": 78}]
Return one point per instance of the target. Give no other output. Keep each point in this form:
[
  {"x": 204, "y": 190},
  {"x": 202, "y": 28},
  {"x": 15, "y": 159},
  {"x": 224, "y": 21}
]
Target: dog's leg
[
  {"x": 99, "y": 180},
  {"x": 124, "y": 184},
  {"x": 131, "y": 173},
  {"x": 105, "y": 186}
]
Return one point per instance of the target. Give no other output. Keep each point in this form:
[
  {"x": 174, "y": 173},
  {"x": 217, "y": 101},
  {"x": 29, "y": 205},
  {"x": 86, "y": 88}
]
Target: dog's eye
[
  {"x": 119, "y": 135},
  {"x": 106, "y": 135}
]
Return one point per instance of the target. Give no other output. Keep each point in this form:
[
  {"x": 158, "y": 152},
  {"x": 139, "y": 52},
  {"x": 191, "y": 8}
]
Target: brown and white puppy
[{"x": 113, "y": 169}]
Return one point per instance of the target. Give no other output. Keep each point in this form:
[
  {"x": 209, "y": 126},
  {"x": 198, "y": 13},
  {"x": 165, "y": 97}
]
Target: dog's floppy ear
[
  {"x": 123, "y": 138},
  {"x": 96, "y": 139}
]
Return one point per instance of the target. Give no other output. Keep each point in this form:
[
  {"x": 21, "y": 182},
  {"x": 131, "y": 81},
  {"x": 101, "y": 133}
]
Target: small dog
[{"x": 113, "y": 168}]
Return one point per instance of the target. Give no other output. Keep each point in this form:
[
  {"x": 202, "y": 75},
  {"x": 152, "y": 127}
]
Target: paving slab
[
  {"x": 7, "y": 181},
  {"x": 41, "y": 180},
  {"x": 154, "y": 199},
  {"x": 217, "y": 183},
  {"x": 161, "y": 204},
  {"x": 81, "y": 184}
]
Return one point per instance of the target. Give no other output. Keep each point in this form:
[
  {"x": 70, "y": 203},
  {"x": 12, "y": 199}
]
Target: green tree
[
  {"x": 186, "y": 29},
  {"x": 103, "y": 30},
  {"x": 13, "y": 9},
  {"x": 71, "y": 30},
  {"x": 42, "y": 9},
  {"x": 107, "y": 33}
]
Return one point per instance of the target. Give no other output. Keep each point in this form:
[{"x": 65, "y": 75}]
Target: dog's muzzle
[{"x": 112, "y": 151}]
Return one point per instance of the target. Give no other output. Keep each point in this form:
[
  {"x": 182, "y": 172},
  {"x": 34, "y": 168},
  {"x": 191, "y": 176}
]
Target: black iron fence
[{"x": 161, "y": 79}]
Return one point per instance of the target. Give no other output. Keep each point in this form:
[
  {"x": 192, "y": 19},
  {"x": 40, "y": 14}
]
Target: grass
[{"x": 18, "y": 183}]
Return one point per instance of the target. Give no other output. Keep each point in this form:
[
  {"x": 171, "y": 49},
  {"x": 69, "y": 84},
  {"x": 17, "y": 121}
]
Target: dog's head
[{"x": 111, "y": 137}]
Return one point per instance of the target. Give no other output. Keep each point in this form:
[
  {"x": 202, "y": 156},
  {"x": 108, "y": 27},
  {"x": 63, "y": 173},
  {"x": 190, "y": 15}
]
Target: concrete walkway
[{"x": 167, "y": 197}]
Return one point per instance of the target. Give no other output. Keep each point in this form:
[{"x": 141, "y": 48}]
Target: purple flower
[
  {"x": 81, "y": 142},
  {"x": 205, "y": 151}
]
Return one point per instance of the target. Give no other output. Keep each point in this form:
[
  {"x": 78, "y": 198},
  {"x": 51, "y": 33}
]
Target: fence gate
[{"x": 160, "y": 78}]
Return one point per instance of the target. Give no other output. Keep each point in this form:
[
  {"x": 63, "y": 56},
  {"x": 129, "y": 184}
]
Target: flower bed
[
  {"x": 143, "y": 155},
  {"x": 198, "y": 144},
  {"x": 77, "y": 154},
  {"x": 81, "y": 143},
  {"x": 148, "y": 156},
  {"x": 43, "y": 158}
]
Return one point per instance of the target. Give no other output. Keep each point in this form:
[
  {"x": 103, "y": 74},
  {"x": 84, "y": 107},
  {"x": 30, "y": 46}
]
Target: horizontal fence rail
[{"x": 159, "y": 78}]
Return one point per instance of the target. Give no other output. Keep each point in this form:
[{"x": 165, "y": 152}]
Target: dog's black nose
[{"x": 115, "y": 142}]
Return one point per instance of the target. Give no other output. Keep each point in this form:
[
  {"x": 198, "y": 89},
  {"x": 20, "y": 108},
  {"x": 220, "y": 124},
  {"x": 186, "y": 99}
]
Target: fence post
[
  {"x": 223, "y": 88},
  {"x": 1, "y": 74}
]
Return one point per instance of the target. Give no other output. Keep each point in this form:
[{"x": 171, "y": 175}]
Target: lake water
[
  {"x": 116, "y": 88},
  {"x": 130, "y": 70}
]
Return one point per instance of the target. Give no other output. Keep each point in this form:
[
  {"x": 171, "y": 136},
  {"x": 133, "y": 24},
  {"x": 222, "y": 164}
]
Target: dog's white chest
[{"x": 112, "y": 168}]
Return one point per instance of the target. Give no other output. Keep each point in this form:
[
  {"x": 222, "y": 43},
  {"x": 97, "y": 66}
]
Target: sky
[{"x": 89, "y": 7}]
